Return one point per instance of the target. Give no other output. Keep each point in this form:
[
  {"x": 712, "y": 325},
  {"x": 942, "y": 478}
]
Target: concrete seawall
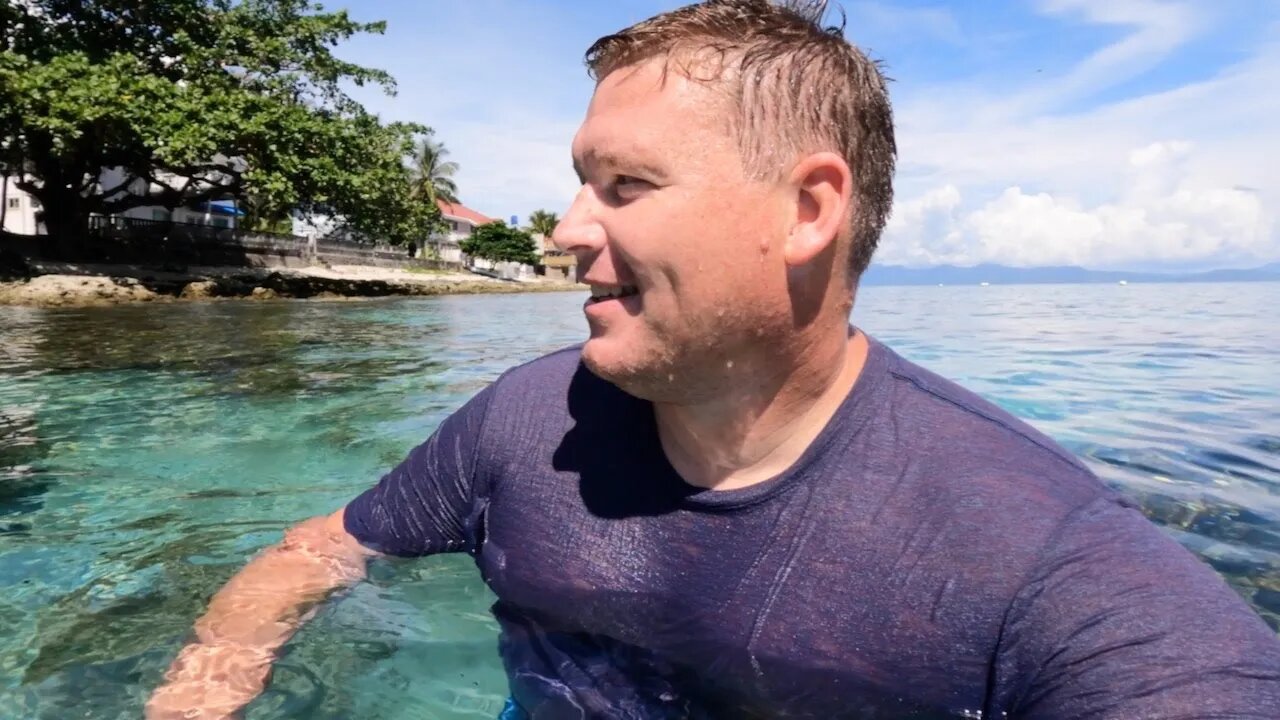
[
  {"x": 177, "y": 245},
  {"x": 161, "y": 262}
]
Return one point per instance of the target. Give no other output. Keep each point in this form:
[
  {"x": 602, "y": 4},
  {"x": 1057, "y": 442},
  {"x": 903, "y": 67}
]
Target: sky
[{"x": 1110, "y": 134}]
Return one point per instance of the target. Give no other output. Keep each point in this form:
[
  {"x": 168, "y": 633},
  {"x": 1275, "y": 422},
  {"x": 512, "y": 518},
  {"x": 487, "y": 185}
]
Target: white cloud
[
  {"x": 1162, "y": 216},
  {"x": 1157, "y": 29},
  {"x": 1187, "y": 176},
  {"x": 926, "y": 230},
  {"x": 1158, "y": 153}
]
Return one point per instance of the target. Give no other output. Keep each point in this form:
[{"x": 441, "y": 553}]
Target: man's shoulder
[
  {"x": 994, "y": 491},
  {"x": 972, "y": 445},
  {"x": 922, "y": 391}
]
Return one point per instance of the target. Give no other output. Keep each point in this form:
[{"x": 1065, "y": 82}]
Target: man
[{"x": 729, "y": 504}]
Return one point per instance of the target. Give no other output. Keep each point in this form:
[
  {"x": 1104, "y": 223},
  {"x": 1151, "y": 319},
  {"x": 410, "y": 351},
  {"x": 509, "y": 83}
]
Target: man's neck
[{"x": 756, "y": 430}]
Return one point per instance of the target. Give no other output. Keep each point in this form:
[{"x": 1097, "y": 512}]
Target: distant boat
[
  {"x": 1124, "y": 282},
  {"x": 984, "y": 284}
]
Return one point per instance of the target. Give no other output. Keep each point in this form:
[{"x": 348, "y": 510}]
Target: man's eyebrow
[{"x": 613, "y": 161}]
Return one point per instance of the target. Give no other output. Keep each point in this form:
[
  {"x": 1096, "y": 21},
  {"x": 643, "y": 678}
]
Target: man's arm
[
  {"x": 1121, "y": 622},
  {"x": 255, "y": 613},
  {"x": 427, "y": 504}
]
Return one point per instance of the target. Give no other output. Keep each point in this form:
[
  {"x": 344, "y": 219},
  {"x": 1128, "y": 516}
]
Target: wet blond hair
[{"x": 798, "y": 88}]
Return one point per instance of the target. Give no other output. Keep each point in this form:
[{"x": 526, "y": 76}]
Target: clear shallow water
[{"x": 146, "y": 452}]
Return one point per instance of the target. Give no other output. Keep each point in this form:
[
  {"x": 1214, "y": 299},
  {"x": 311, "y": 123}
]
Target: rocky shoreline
[{"x": 104, "y": 285}]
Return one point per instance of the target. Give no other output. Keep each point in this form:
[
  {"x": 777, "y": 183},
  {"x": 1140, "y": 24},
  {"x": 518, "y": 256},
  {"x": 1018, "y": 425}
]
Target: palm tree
[
  {"x": 543, "y": 222},
  {"x": 432, "y": 174}
]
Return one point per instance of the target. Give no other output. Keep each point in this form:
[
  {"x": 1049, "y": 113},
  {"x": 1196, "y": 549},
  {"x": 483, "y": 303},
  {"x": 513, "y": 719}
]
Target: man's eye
[{"x": 627, "y": 184}]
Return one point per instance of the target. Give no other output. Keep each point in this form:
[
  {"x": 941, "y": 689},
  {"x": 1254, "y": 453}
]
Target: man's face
[{"x": 668, "y": 222}]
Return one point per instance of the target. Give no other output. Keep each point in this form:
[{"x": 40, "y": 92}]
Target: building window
[
  {"x": 220, "y": 222},
  {"x": 160, "y": 214},
  {"x": 15, "y": 203}
]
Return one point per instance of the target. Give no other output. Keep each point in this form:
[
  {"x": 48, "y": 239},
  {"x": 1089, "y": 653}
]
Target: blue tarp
[{"x": 221, "y": 207}]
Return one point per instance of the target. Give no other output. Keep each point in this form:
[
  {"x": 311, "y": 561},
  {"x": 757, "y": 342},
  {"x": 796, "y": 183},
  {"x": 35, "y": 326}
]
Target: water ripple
[{"x": 145, "y": 453}]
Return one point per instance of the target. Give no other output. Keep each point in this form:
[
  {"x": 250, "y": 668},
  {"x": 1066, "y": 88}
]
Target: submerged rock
[{"x": 1267, "y": 599}]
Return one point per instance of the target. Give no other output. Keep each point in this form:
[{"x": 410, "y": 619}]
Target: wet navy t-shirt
[{"x": 928, "y": 556}]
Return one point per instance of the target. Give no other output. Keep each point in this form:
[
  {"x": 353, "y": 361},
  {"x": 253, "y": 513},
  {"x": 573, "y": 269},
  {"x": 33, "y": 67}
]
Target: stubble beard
[{"x": 699, "y": 365}]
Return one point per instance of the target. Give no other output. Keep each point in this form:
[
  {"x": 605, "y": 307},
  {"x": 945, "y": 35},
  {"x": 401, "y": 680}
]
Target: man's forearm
[
  {"x": 267, "y": 601},
  {"x": 256, "y": 613}
]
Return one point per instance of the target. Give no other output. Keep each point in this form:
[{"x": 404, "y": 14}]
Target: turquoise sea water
[{"x": 146, "y": 452}]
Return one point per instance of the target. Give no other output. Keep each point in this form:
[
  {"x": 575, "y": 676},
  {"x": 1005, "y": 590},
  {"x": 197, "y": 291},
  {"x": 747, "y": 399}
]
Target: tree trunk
[
  {"x": 4, "y": 201},
  {"x": 66, "y": 219}
]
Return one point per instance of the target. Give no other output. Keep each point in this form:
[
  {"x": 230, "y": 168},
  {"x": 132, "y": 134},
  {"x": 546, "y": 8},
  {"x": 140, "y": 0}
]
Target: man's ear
[{"x": 822, "y": 186}]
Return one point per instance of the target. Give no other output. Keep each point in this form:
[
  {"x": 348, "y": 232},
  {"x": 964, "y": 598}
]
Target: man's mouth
[{"x": 600, "y": 293}]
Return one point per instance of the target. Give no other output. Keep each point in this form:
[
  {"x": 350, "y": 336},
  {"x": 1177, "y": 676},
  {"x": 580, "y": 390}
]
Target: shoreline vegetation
[{"x": 67, "y": 285}]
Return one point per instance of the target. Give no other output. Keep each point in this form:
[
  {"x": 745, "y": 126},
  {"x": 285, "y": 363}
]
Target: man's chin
[
  {"x": 614, "y": 362},
  {"x": 602, "y": 358},
  {"x": 638, "y": 374}
]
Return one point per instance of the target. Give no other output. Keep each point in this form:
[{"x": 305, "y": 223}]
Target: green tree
[
  {"x": 432, "y": 174},
  {"x": 194, "y": 100},
  {"x": 541, "y": 221},
  {"x": 499, "y": 242}
]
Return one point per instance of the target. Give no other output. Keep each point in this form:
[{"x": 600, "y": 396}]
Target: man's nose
[{"x": 579, "y": 232}]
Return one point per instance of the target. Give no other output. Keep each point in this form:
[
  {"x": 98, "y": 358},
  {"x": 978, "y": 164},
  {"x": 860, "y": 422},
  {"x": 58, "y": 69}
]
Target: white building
[
  {"x": 556, "y": 263},
  {"x": 214, "y": 213},
  {"x": 20, "y": 210},
  {"x": 459, "y": 222},
  {"x": 217, "y": 213}
]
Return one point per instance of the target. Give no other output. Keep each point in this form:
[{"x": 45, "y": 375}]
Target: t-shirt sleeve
[
  {"x": 1119, "y": 621},
  {"x": 428, "y": 503}
]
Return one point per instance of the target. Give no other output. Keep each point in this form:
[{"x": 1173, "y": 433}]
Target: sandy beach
[{"x": 82, "y": 285}]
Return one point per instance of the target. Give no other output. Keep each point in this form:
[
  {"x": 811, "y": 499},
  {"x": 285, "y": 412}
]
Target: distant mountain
[{"x": 1005, "y": 275}]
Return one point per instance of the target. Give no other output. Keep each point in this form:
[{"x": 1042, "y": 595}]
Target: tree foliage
[
  {"x": 195, "y": 100},
  {"x": 499, "y": 242},
  {"x": 541, "y": 221},
  {"x": 432, "y": 174}
]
